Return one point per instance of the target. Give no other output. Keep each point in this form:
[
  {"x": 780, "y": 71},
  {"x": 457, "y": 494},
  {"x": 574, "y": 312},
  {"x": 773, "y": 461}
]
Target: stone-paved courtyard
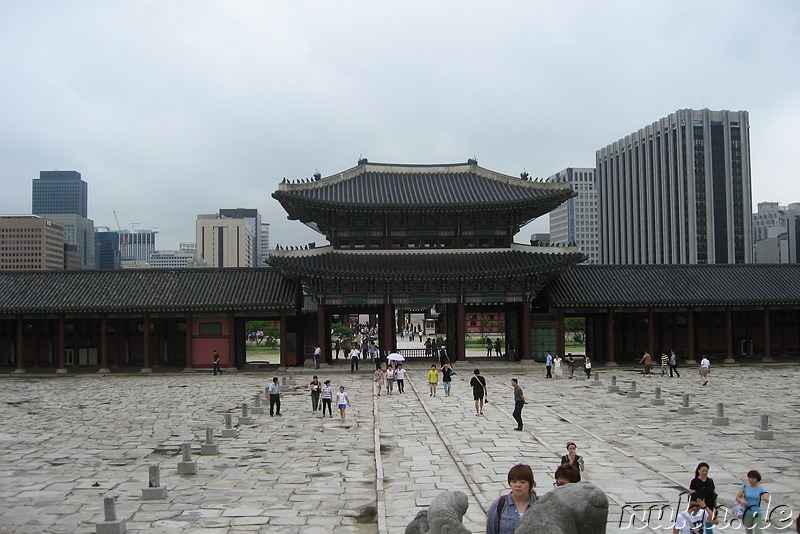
[{"x": 68, "y": 441}]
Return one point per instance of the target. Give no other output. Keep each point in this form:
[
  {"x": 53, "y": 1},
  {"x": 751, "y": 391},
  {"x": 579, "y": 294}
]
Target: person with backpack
[
  {"x": 693, "y": 519},
  {"x": 506, "y": 511}
]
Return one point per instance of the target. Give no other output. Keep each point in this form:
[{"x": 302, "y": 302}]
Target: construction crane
[{"x": 123, "y": 239}]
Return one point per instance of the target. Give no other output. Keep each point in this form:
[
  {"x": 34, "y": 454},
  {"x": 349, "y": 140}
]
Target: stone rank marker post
[
  {"x": 229, "y": 431},
  {"x": 684, "y": 408},
  {"x": 720, "y": 419},
  {"x": 187, "y": 466},
  {"x": 154, "y": 490},
  {"x": 111, "y": 525},
  {"x": 764, "y": 432},
  {"x": 208, "y": 447}
]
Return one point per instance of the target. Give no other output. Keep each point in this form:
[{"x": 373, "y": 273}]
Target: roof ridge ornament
[
  {"x": 472, "y": 161},
  {"x": 362, "y": 161}
]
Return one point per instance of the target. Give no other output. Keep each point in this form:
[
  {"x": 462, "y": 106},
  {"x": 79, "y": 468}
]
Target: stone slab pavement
[{"x": 68, "y": 441}]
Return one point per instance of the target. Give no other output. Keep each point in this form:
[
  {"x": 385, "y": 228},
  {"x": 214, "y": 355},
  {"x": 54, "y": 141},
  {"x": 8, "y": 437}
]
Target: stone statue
[
  {"x": 443, "y": 516},
  {"x": 580, "y": 508}
]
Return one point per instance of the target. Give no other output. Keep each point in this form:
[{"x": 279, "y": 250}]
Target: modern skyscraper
[
  {"x": 574, "y": 223},
  {"x": 776, "y": 233},
  {"x": 677, "y": 191},
  {"x": 60, "y": 192},
  {"x": 137, "y": 245},
  {"x": 30, "y": 242},
  {"x": 106, "y": 247},
  {"x": 78, "y": 232},
  {"x": 224, "y": 242}
]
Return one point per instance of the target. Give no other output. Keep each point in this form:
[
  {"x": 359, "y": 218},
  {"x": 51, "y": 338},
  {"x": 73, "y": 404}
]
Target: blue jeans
[{"x": 447, "y": 387}]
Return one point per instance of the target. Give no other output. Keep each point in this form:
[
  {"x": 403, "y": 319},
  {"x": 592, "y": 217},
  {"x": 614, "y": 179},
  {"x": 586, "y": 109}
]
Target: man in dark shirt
[
  {"x": 478, "y": 384},
  {"x": 519, "y": 402}
]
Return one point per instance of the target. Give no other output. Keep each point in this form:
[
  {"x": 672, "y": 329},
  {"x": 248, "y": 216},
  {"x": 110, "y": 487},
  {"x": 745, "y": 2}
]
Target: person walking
[
  {"x": 378, "y": 377},
  {"x": 664, "y": 364},
  {"x": 752, "y": 495},
  {"x": 498, "y": 347},
  {"x": 433, "y": 380},
  {"x": 488, "y": 347},
  {"x": 694, "y": 518},
  {"x": 705, "y": 367},
  {"x": 354, "y": 355},
  {"x": 317, "y": 356},
  {"x": 587, "y": 367},
  {"x": 506, "y": 511},
  {"x": 400, "y": 376},
  {"x": 571, "y": 457},
  {"x": 519, "y": 402},
  {"x": 557, "y": 367},
  {"x": 343, "y": 401},
  {"x": 337, "y": 347},
  {"x": 647, "y": 360},
  {"x": 447, "y": 378},
  {"x": 478, "y": 384},
  {"x": 548, "y": 363},
  {"x": 390, "y": 378},
  {"x": 274, "y": 398},
  {"x": 571, "y": 364},
  {"x": 673, "y": 364},
  {"x": 703, "y": 486},
  {"x": 327, "y": 396},
  {"x": 315, "y": 386},
  {"x": 216, "y": 364}
]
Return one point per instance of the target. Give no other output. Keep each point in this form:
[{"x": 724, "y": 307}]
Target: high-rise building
[
  {"x": 78, "y": 232},
  {"x": 574, "y": 223},
  {"x": 253, "y": 218},
  {"x": 106, "y": 248},
  {"x": 224, "y": 242},
  {"x": 31, "y": 242},
  {"x": 62, "y": 196},
  {"x": 265, "y": 252},
  {"x": 776, "y": 233},
  {"x": 60, "y": 192},
  {"x": 678, "y": 191}
]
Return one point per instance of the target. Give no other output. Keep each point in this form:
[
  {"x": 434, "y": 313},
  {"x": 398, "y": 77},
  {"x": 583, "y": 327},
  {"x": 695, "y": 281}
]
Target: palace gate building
[{"x": 401, "y": 238}]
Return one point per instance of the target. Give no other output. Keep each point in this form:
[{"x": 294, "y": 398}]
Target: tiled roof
[
  {"x": 394, "y": 187},
  {"x": 138, "y": 290},
  {"x": 676, "y": 285},
  {"x": 520, "y": 260}
]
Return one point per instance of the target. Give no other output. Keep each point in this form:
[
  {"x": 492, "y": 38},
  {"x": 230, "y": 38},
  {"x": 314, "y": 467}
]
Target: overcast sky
[{"x": 173, "y": 108}]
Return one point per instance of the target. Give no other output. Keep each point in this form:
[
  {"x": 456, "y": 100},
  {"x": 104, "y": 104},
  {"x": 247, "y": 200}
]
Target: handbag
[{"x": 738, "y": 510}]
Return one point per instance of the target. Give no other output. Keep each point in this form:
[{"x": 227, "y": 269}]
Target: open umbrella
[{"x": 393, "y": 356}]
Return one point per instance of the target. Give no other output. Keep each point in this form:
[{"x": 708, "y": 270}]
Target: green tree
[{"x": 575, "y": 328}]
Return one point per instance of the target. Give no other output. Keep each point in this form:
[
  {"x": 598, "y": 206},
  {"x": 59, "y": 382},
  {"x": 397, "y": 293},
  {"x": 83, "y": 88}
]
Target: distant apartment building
[
  {"x": 677, "y": 191},
  {"x": 31, "y": 242},
  {"x": 137, "y": 245},
  {"x": 253, "y": 218},
  {"x": 776, "y": 233},
  {"x": 225, "y": 242},
  {"x": 265, "y": 251},
  {"x": 189, "y": 247},
  {"x": 540, "y": 239},
  {"x": 171, "y": 259},
  {"x": 575, "y": 222},
  {"x": 60, "y": 192}
]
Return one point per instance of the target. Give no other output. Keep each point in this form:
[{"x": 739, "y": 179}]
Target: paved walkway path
[{"x": 67, "y": 441}]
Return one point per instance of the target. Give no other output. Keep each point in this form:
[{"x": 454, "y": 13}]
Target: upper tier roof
[
  {"x": 143, "y": 290},
  {"x": 590, "y": 286},
  {"x": 394, "y": 187},
  {"x": 420, "y": 264}
]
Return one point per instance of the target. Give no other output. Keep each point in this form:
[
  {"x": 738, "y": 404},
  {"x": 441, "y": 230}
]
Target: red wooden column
[
  {"x": 729, "y": 336},
  {"x": 62, "y": 347},
  {"x": 104, "y": 345},
  {"x": 525, "y": 331},
  {"x": 388, "y": 339},
  {"x": 189, "y": 348},
  {"x": 285, "y": 340},
  {"x": 233, "y": 360},
  {"x": 146, "y": 345},
  {"x": 690, "y": 337},
  {"x": 610, "y": 335},
  {"x": 461, "y": 349},
  {"x": 322, "y": 332},
  {"x": 651, "y": 336},
  {"x": 767, "y": 337},
  {"x": 560, "y": 344},
  {"x": 20, "y": 348}
]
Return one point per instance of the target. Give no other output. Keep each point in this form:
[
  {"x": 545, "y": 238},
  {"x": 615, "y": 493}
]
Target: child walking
[
  {"x": 343, "y": 401},
  {"x": 327, "y": 397}
]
